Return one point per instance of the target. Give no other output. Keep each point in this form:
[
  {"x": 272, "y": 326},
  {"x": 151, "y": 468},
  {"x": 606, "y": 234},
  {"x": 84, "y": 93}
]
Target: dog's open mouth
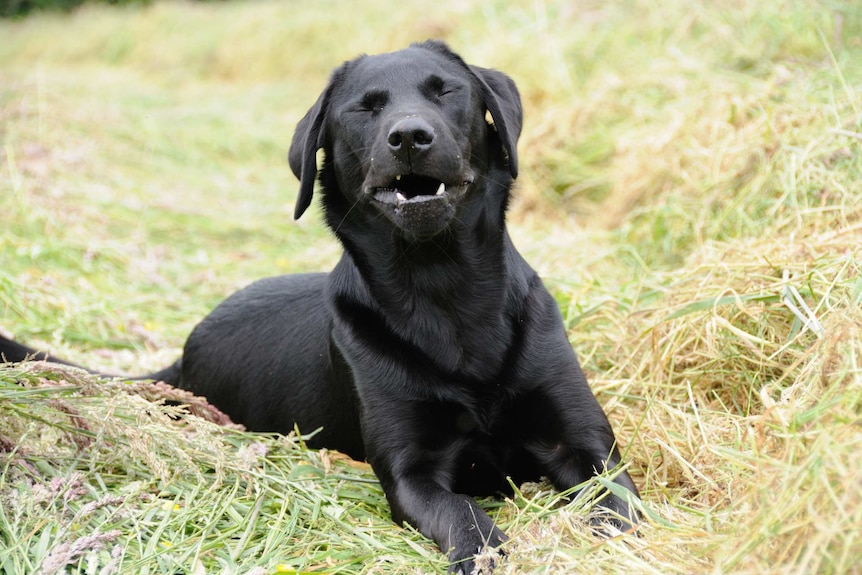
[
  {"x": 420, "y": 206},
  {"x": 409, "y": 189}
]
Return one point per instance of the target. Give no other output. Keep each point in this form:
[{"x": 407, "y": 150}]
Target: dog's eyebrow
[
  {"x": 433, "y": 85},
  {"x": 375, "y": 98}
]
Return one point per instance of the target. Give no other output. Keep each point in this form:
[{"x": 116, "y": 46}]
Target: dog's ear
[
  {"x": 302, "y": 156},
  {"x": 307, "y": 139},
  {"x": 504, "y": 102}
]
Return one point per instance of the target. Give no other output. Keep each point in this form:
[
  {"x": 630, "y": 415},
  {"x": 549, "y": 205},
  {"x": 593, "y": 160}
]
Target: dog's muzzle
[{"x": 420, "y": 206}]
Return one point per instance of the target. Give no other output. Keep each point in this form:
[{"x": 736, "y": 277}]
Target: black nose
[{"x": 411, "y": 134}]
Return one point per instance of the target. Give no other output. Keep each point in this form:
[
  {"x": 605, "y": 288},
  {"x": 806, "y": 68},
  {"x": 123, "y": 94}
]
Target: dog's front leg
[
  {"x": 453, "y": 521},
  {"x": 575, "y": 442},
  {"x": 569, "y": 435},
  {"x": 415, "y": 451}
]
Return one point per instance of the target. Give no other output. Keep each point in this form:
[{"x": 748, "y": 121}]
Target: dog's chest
[
  {"x": 484, "y": 416},
  {"x": 481, "y": 414},
  {"x": 490, "y": 448}
]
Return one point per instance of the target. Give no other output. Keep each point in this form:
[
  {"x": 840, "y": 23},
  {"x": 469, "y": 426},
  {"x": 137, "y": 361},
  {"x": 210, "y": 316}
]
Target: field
[{"x": 690, "y": 189}]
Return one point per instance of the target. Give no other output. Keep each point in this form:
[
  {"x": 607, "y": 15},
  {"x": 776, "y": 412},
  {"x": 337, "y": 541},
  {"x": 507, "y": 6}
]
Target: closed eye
[
  {"x": 435, "y": 87},
  {"x": 374, "y": 101}
]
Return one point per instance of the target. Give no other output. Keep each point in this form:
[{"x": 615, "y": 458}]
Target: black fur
[{"x": 432, "y": 349}]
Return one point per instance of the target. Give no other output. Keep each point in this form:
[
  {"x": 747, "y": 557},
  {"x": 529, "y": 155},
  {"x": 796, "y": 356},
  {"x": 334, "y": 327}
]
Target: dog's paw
[
  {"x": 614, "y": 516},
  {"x": 478, "y": 559},
  {"x": 481, "y": 563}
]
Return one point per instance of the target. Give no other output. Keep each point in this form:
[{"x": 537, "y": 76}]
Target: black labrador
[{"x": 432, "y": 349}]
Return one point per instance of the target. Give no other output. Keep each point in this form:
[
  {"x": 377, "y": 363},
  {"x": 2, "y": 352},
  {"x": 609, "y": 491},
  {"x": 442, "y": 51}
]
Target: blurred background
[{"x": 144, "y": 143}]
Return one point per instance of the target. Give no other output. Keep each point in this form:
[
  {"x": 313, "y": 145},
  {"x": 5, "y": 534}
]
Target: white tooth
[
  {"x": 400, "y": 197},
  {"x": 398, "y": 177},
  {"x": 441, "y": 189}
]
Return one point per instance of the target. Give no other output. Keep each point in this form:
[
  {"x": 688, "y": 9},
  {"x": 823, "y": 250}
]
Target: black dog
[{"x": 432, "y": 349}]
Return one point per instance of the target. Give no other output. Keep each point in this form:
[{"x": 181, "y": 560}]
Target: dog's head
[{"x": 405, "y": 135}]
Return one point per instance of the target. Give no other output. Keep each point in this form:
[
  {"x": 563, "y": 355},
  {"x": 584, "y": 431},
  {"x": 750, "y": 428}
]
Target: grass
[{"x": 691, "y": 190}]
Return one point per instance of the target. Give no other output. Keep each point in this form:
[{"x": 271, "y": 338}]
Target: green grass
[{"x": 691, "y": 190}]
